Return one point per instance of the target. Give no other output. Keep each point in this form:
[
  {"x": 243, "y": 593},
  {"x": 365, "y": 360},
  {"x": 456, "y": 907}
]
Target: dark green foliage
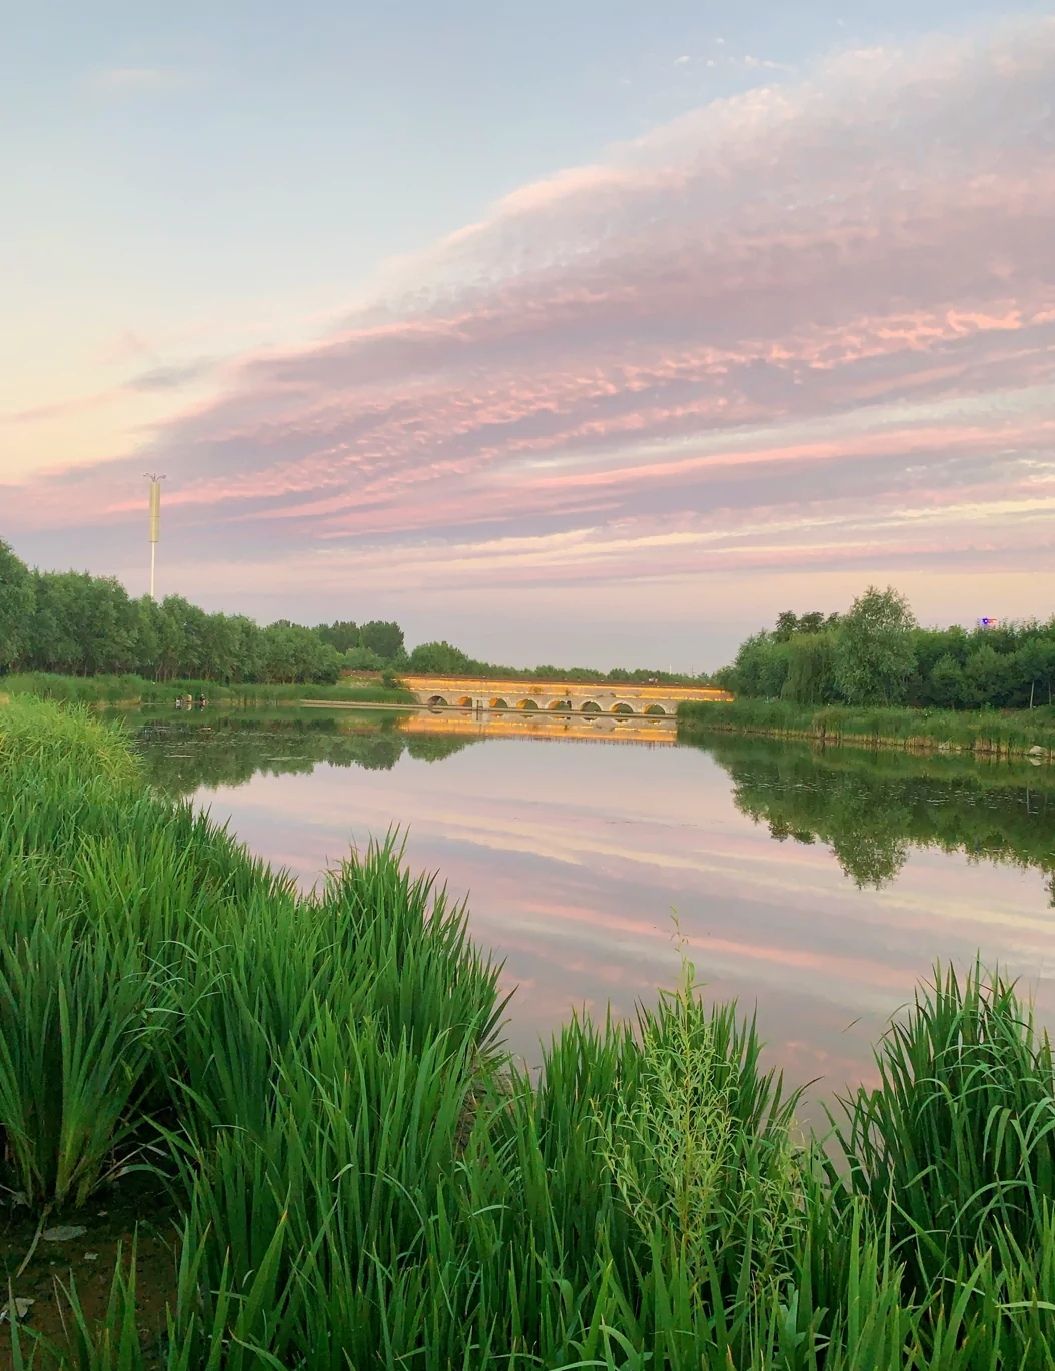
[
  {"x": 341, "y": 635},
  {"x": 875, "y": 655},
  {"x": 383, "y": 638},
  {"x": 874, "y": 659},
  {"x": 71, "y": 623},
  {"x": 16, "y": 603}
]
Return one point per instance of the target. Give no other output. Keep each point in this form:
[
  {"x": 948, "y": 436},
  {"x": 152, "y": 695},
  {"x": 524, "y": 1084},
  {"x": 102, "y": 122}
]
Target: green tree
[
  {"x": 811, "y": 669},
  {"x": 53, "y": 642},
  {"x": 362, "y": 659},
  {"x": 342, "y": 634},
  {"x": 170, "y": 626},
  {"x": 945, "y": 687},
  {"x": 985, "y": 677},
  {"x": 787, "y": 623},
  {"x": 1036, "y": 668},
  {"x": 16, "y": 606},
  {"x": 442, "y": 659},
  {"x": 107, "y": 627},
  {"x": 384, "y": 637},
  {"x": 874, "y": 656},
  {"x": 249, "y": 648},
  {"x": 761, "y": 666},
  {"x": 147, "y": 636}
]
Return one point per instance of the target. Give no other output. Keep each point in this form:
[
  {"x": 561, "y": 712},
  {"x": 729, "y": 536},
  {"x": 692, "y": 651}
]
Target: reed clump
[{"x": 365, "y": 1180}]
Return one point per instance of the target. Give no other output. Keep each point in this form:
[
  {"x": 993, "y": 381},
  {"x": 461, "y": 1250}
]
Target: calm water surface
[{"x": 817, "y": 887}]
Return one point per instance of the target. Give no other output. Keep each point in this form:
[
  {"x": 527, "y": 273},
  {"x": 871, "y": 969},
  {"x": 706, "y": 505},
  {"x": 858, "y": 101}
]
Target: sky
[{"x": 591, "y": 333}]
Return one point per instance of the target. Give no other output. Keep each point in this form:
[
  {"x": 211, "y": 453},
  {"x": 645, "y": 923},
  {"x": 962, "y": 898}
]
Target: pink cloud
[{"x": 827, "y": 304}]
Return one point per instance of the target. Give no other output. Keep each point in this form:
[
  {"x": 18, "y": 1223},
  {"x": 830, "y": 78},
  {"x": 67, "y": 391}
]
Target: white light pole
[{"x": 155, "y": 521}]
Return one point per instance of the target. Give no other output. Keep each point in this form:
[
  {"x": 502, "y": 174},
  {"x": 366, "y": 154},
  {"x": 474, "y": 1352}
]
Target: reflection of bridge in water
[
  {"x": 477, "y": 694},
  {"x": 544, "y": 726}
]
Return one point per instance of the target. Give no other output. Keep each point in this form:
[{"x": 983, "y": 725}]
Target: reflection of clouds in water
[{"x": 574, "y": 858}]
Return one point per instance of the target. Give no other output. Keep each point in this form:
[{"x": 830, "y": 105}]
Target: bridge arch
[
  {"x": 436, "y": 701},
  {"x": 527, "y": 703},
  {"x": 562, "y": 703},
  {"x": 621, "y": 707},
  {"x": 655, "y": 709},
  {"x": 466, "y": 702},
  {"x": 590, "y": 707},
  {"x": 499, "y": 703}
]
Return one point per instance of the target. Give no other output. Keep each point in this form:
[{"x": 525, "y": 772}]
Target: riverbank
[
  {"x": 984, "y": 732},
  {"x": 357, "y": 1175},
  {"x": 128, "y": 691}
]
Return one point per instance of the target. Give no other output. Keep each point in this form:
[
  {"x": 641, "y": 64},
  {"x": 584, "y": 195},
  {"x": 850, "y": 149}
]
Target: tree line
[
  {"x": 876, "y": 653},
  {"x": 75, "y": 624},
  {"x": 443, "y": 659}
]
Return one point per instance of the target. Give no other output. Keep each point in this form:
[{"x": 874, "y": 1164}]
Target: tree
[
  {"x": 342, "y": 634},
  {"x": 787, "y": 623},
  {"x": 362, "y": 659},
  {"x": 441, "y": 659},
  {"x": 220, "y": 639},
  {"x": 874, "y": 655},
  {"x": 811, "y": 669},
  {"x": 985, "y": 677},
  {"x": 383, "y": 637},
  {"x": 945, "y": 683},
  {"x": 761, "y": 666},
  {"x": 16, "y": 605},
  {"x": 1036, "y": 668},
  {"x": 52, "y": 641}
]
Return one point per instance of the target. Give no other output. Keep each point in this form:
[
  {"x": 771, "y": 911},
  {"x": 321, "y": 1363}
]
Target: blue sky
[{"x": 216, "y": 207}]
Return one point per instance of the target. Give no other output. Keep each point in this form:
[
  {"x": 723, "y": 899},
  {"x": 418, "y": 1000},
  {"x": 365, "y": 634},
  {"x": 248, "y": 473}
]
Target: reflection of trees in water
[
  {"x": 182, "y": 758},
  {"x": 872, "y": 810}
]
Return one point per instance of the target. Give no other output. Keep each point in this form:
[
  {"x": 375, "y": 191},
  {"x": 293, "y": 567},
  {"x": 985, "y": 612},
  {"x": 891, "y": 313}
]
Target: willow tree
[{"x": 874, "y": 653}]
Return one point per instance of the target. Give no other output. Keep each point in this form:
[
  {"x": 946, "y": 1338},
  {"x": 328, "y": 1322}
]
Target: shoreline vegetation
[
  {"x": 984, "y": 733},
  {"x": 358, "y": 1175},
  {"x": 129, "y": 691}
]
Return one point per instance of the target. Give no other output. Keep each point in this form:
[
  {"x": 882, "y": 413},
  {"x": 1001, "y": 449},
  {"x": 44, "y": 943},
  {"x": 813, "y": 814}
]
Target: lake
[{"x": 816, "y": 887}]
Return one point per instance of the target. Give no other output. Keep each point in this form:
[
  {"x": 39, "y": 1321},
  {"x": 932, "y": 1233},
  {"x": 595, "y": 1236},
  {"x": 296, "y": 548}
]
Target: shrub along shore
[
  {"x": 1020, "y": 733},
  {"x": 364, "y": 1180}
]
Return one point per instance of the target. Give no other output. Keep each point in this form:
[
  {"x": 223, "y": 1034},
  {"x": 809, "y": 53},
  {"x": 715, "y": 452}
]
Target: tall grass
[
  {"x": 959, "y": 1137},
  {"x": 365, "y": 1181},
  {"x": 129, "y": 689},
  {"x": 987, "y": 731}
]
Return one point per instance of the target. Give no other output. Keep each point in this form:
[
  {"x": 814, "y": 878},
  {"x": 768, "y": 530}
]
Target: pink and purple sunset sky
[{"x": 584, "y": 332}]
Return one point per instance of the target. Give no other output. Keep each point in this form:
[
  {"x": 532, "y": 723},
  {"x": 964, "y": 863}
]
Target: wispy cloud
[
  {"x": 813, "y": 324},
  {"x": 172, "y": 376},
  {"x": 119, "y": 80}
]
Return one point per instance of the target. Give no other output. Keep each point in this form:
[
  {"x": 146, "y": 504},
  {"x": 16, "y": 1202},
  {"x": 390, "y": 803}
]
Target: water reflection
[
  {"x": 818, "y": 886},
  {"x": 872, "y": 810}
]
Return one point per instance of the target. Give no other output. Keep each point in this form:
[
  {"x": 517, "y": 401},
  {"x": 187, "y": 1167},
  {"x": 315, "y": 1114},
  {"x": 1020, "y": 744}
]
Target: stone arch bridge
[{"x": 570, "y": 697}]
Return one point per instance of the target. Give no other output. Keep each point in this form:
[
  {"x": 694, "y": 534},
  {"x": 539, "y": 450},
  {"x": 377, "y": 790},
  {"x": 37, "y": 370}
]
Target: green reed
[{"x": 365, "y": 1181}]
